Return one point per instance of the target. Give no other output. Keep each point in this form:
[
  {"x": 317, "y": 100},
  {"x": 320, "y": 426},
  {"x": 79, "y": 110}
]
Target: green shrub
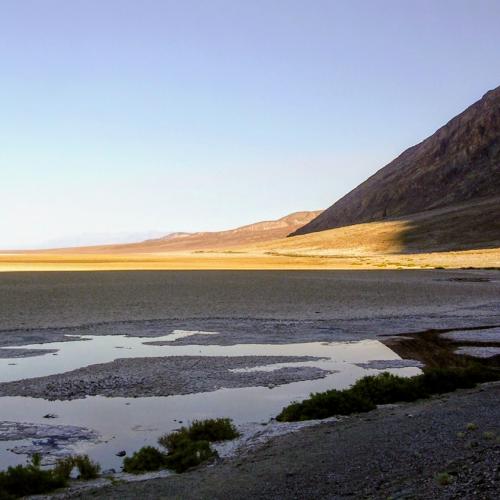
[
  {"x": 386, "y": 388},
  {"x": 211, "y": 430},
  {"x": 64, "y": 467},
  {"x": 31, "y": 479},
  {"x": 444, "y": 479},
  {"x": 147, "y": 458},
  {"x": 441, "y": 380},
  {"x": 326, "y": 404},
  {"x": 86, "y": 467},
  {"x": 23, "y": 480},
  {"x": 188, "y": 453},
  {"x": 190, "y": 446}
]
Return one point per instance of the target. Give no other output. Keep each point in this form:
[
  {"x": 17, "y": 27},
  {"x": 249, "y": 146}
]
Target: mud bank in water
[
  {"x": 13, "y": 353},
  {"x": 164, "y": 376}
]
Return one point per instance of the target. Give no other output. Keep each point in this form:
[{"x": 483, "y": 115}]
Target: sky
[{"x": 127, "y": 117}]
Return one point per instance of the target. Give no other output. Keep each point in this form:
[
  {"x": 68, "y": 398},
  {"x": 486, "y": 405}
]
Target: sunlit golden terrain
[
  {"x": 248, "y": 261},
  {"x": 454, "y": 237},
  {"x": 335, "y": 249}
]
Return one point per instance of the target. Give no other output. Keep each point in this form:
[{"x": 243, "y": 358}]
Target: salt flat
[{"x": 348, "y": 299}]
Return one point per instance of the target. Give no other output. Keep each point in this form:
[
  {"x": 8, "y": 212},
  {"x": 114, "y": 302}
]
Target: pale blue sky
[{"x": 122, "y": 116}]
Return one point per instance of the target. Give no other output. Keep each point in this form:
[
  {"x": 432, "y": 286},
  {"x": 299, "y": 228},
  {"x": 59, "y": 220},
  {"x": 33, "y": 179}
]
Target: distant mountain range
[
  {"x": 246, "y": 235},
  {"x": 87, "y": 239},
  {"x": 459, "y": 163}
]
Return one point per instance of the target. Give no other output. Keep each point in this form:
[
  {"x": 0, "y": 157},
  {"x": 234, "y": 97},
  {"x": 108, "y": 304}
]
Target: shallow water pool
[{"x": 129, "y": 423}]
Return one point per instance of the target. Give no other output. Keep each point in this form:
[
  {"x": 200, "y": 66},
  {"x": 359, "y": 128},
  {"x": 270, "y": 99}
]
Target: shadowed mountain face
[{"x": 458, "y": 163}]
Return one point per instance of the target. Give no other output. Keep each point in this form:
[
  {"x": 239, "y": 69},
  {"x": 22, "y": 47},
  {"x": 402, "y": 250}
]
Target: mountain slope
[
  {"x": 458, "y": 163},
  {"x": 464, "y": 226}
]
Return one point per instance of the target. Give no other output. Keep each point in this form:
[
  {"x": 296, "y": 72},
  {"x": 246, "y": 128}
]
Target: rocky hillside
[
  {"x": 471, "y": 225},
  {"x": 458, "y": 163}
]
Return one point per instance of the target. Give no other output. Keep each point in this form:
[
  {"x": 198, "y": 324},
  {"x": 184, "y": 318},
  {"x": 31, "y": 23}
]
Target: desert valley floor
[{"x": 100, "y": 362}]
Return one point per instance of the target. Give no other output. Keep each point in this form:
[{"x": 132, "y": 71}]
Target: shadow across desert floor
[{"x": 475, "y": 225}]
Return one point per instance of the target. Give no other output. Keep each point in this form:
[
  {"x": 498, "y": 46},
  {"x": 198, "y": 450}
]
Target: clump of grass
[
  {"x": 64, "y": 467},
  {"x": 326, "y": 404},
  {"x": 188, "y": 454},
  {"x": 211, "y": 430},
  {"x": 386, "y": 388},
  {"x": 471, "y": 426},
  {"x": 472, "y": 444},
  {"x": 86, "y": 467},
  {"x": 442, "y": 380},
  {"x": 489, "y": 435},
  {"x": 31, "y": 479},
  {"x": 190, "y": 446},
  {"x": 444, "y": 479},
  {"x": 146, "y": 459},
  {"x": 186, "y": 448}
]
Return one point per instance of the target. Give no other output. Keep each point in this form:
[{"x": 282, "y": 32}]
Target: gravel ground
[
  {"x": 489, "y": 335},
  {"x": 392, "y": 452},
  {"x": 478, "y": 352},
  {"x": 163, "y": 376}
]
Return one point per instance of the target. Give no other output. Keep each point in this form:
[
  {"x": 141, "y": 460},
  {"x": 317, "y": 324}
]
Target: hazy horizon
[
  {"x": 90, "y": 239},
  {"x": 122, "y": 118}
]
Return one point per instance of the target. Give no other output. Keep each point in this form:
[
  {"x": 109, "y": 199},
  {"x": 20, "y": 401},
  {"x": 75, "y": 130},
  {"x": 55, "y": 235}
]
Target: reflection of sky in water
[
  {"x": 104, "y": 349},
  {"x": 84, "y": 351},
  {"x": 129, "y": 423}
]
